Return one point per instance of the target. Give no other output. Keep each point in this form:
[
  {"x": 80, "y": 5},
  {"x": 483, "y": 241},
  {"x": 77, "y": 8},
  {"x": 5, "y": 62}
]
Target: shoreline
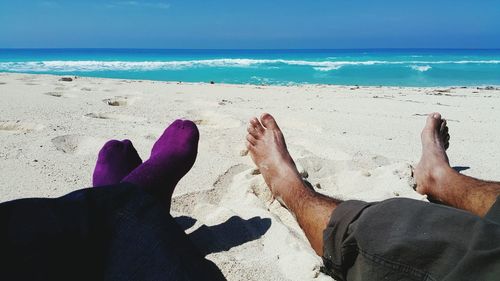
[
  {"x": 478, "y": 87},
  {"x": 392, "y": 67},
  {"x": 354, "y": 143}
]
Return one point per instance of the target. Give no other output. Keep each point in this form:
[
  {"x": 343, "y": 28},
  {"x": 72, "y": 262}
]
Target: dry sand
[{"x": 350, "y": 142}]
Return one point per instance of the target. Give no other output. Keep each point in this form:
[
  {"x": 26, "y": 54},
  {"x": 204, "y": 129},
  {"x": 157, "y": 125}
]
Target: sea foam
[
  {"x": 87, "y": 66},
  {"x": 421, "y": 68}
]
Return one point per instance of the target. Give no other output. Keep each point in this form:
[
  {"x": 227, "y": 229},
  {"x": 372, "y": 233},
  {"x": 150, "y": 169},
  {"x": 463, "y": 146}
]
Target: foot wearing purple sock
[
  {"x": 172, "y": 157},
  {"x": 115, "y": 161}
]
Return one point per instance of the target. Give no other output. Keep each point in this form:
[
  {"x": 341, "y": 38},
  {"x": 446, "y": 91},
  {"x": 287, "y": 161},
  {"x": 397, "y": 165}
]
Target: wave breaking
[
  {"x": 421, "y": 68},
  {"x": 87, "y": 66}
]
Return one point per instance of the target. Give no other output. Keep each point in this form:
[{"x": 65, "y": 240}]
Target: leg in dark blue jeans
[
  {"x": 115, "y": 232},
  {"x": 118, "y": 232}
]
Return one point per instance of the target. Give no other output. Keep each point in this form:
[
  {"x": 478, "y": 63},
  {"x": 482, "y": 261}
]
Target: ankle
[
  {"x": 291, "y": 190},
  {"x": 437, "y": 181}
]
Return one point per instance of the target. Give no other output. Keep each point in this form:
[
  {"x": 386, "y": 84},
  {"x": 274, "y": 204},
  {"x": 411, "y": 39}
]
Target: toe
[
  {"x": 251, "y": 139},
  {"x": 436, "y": 115},
  {"x": 446, "y": 141},
  {"x": 253, "y": 131},
  {"x": 433, "y": 121},
  {"x": 432, "y": 127},
  {"x": 443, "y": 126},
  {"x": 256, "y": 124},
  {"x": 444, "y": 130},
  {"x": 269, "y": 122},
  {"x": 249, "y": 145}
]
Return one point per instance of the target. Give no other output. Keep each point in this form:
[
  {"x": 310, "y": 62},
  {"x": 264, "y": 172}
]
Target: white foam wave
[
  {"x": 85, "y": 66},
  {"x": 62, "y": 66},
  {"x": 327, "y": 68},
  {"x": 421, "y": 68}
]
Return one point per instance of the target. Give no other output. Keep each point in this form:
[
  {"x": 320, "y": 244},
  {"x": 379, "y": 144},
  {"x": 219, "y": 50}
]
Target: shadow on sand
[
  {"x": 460, "y": 168},
  {"x": 222, "y": 237}
]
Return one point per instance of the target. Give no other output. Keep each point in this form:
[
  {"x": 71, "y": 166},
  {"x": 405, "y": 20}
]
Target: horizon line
[{"x": 238, "y": 49}]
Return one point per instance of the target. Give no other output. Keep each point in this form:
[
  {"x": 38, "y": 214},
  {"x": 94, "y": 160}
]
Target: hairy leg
[
  {"x": 268, "y": 150},
  {"x": 439, "y": 181}
]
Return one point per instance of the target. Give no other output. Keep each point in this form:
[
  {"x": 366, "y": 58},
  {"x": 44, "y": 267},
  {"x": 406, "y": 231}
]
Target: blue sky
[{"x": 261, "y": 24}]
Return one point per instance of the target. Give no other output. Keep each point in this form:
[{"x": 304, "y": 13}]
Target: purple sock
[
  {"x": 172, "y": 157},
  {"x": 115, "y": 161}
]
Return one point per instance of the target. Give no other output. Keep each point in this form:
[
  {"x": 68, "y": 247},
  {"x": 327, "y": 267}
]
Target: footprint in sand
[
  {"x": 241, "y": 183},
  {"x": 201, "y": 122},
  {"x": 119, "y": 101},
  {"x": 367, "y": 161},
  {"x": 186, "y": 203},
  {"x": 54, "y": 94},
  {"x": 225, "y": 179},
  {"x": 59, "y": 94},
  {"x": 18, "y": 126},
  {"x": 77, "y": 144},
  {"x": 244, "y": 195},
  {"x": 315, "y": 167},
  {"x": 112, "y": 116},
  {"x": 248, "y": 190},
  {"x": 214, "y": 119},
  {"x": 151, "y": 137}
]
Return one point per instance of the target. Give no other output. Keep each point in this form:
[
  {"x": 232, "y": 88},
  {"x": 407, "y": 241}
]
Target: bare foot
[
  {"x": 434, "y": 163},
  {"x": 267, "y": 147},
  {"x": 268, "y": 150}
]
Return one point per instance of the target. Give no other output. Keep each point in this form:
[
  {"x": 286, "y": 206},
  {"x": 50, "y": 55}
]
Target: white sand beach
[{"x": 350, "y": 142}]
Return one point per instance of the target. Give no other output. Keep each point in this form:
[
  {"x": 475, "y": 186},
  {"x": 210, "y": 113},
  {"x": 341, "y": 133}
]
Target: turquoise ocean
[{"x": 385, "y": 67}]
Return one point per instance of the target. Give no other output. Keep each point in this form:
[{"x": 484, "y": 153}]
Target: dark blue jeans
[{"x": 115, "y": 232}]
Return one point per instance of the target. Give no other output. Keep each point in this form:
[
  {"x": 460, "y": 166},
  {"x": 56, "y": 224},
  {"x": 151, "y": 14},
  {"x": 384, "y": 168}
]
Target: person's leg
[
  {"x": 171, "y": 158},
  {"x": 111, "y": 233},
  {"x": 117, "y": 232},
  {"x": 440, "y": 182},
  {"x": 115, "y": 161},
  {"x": 397, "y": 239},
  {"x": 406, "y": 239},
  {"x": 268, "y": 150}
]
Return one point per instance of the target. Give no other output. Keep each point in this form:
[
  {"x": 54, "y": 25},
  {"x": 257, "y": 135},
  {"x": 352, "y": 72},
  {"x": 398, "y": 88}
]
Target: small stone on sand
[
  {"x": 255, "y": 172},
  {"x": 244, "y": 152}
]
